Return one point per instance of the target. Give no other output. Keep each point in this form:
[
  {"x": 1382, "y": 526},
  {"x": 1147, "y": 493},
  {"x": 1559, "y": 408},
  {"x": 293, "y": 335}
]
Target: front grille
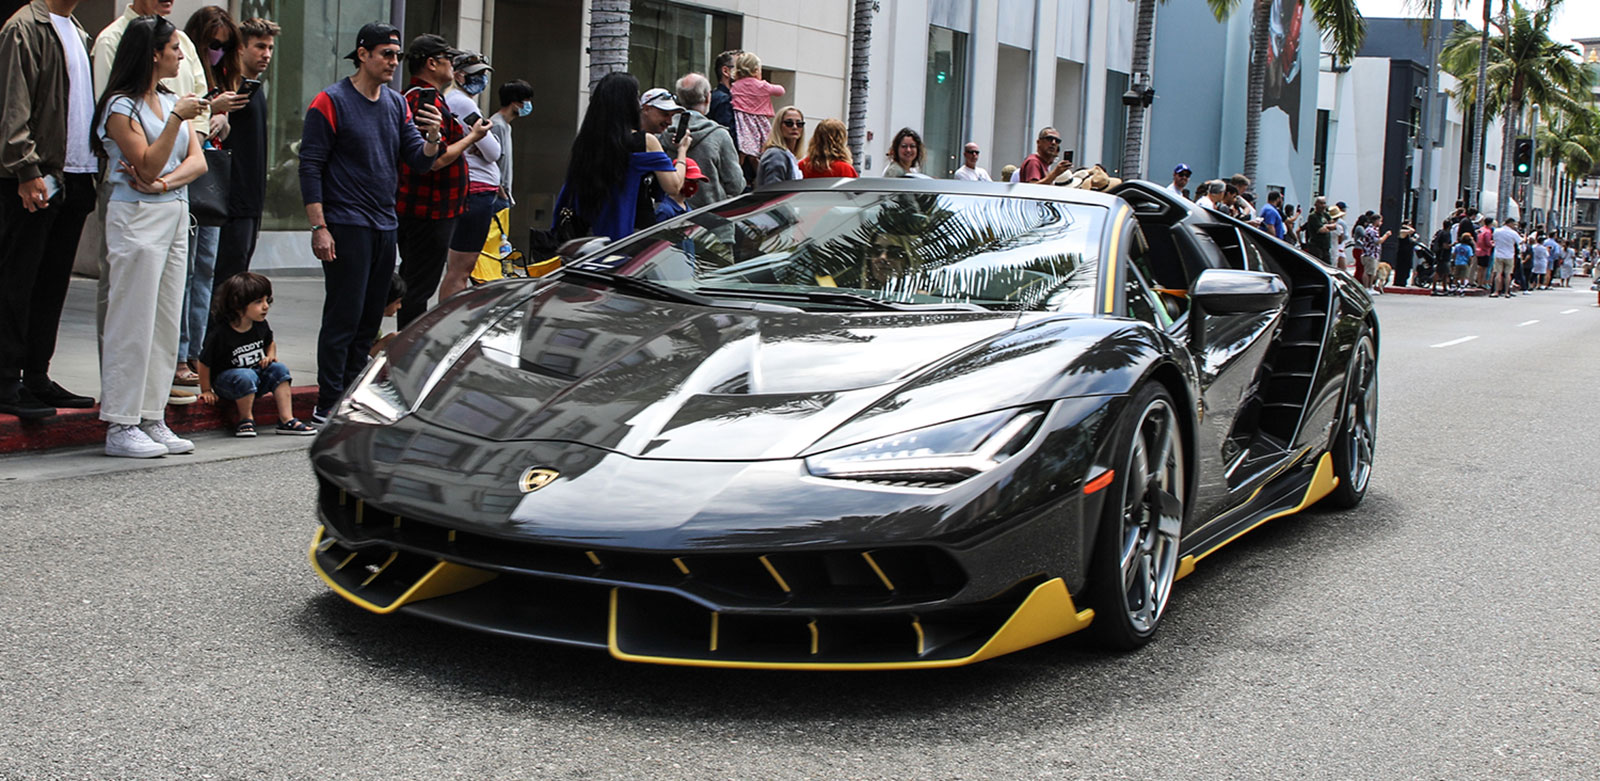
[{"x": 878, "y": 578}]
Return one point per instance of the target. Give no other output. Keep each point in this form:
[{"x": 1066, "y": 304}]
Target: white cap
[{"x": 660, "y": 99}]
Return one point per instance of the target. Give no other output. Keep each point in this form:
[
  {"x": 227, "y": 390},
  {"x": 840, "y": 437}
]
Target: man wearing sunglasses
[
  {"x": 1180, "y": 181},
  {"x": 969, "y": 170},
  {"x": 1038, "y": 168}
]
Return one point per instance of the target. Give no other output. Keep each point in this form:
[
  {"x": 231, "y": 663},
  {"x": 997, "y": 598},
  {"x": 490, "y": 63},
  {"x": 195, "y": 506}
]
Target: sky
[{"x": 1575, "y": 18}]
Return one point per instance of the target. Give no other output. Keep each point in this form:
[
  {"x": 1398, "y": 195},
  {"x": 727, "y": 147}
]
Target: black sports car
[{"x": 858, "y": 424}]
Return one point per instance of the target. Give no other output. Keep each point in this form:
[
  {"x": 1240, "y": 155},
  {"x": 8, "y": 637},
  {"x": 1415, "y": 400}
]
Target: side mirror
[
  {"x": 1232, "y": 292},
  {"x": 583, "y": 245}
]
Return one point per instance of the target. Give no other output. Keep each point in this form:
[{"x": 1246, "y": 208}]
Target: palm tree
[
  {"x": 608, "y": 37},
  {"x": 1342, "y": 26},
  {"x": 1526, "y": 68},
  {"x": 1133, "y": 141},
  {"x": 860, "y": 61},
  {"x": 1571, "y": 141}
]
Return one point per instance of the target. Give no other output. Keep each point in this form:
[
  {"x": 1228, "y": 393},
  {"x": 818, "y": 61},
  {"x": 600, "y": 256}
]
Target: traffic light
[{"x": 1522, "y": 157}]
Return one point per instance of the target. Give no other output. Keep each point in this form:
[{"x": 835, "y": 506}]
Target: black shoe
[
  {"x": 48, "y": 392},
  {"x": 16, "y": 400}
]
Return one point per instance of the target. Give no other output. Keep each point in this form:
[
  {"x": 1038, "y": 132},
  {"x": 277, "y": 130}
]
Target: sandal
[
  {"x": 246, "y": 428},
  {"x": 185, "y": 376},
  {"x": 295, "y": 427}
]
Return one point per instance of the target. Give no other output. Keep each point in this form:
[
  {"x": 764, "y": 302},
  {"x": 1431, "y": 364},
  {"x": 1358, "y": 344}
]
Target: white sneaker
[
  {"x": 158, "y": 432},
  {"x": 131, "y": 442}
]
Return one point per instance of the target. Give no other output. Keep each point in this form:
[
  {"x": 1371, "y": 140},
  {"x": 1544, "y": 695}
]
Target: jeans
[
  {"x": 36, "y": 252},
  {"x": 355, "y": 291},
  {"x": 239, "y": 383},
  {"x": 197, "y": 294}
]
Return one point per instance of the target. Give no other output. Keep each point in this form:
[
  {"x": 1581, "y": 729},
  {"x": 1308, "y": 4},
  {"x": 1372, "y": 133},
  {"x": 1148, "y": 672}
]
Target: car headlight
[
  {"x": 374, "y": 399},
  {"x": 947, "y": 452}
]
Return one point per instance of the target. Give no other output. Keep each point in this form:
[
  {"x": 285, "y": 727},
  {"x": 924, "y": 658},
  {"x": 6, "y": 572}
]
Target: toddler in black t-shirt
[{"x": 240, "y": 359}]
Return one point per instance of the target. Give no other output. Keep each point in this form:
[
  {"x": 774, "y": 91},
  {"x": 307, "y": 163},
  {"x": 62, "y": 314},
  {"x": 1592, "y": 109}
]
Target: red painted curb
[
  {"x": 1423, "y": 291},
  {"x": 80, "y": 427}
]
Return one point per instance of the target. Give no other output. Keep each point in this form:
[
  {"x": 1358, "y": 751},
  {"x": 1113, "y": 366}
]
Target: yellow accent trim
[
  {"x": 888, "y": 584},
  {"x": 916, "y": 625},
  {"x": 451, "y": 537},
  {"x": 445, "y": 578},
  {"x": 715, "y": 620},
  {"x": 361, "y": 511},
  {"x": 1047, "y": 613},
  {"x": 341, "y": 497},
  {"x": 1111, "y": 263},
  {"x": 813, "y": 627},
  {"x": 826, "y": 280},
  {"x": 1185, "y": 568},
  {"x": 1323, "y": 482},
  {"x": 397, "y": 522},
  {"x": 593, "y": 557},
  {"x": 346, "y": 562},
  {"x": 684, "y": 568},
  {"x": 381, "y": 567},
  {"x": 775, "y": 576}
]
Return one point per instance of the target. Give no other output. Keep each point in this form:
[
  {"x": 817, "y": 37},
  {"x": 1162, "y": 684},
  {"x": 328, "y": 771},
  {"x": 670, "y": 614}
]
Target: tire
[
  {"x": 1356, "y": 439},
  {"x": 1135, "y": 557}
]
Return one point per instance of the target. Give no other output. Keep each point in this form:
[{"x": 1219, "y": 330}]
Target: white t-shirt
[
  {"x": 80, "y": 97},
  {"x": 970, "y": 174},
  {"x": 1505, "y": 242},
  {"x": 1173, "y": 188},
  {"x": 483, "y": 158}
]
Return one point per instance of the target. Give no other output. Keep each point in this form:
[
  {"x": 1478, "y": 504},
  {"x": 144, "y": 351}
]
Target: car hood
[{"x": 655, "y": 379}]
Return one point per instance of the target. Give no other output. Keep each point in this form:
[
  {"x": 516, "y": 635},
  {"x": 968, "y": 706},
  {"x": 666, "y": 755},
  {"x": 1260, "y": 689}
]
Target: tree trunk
[
  {"x": 1133, "y": 163},
  {"x": 608, "y": 37},
  {"x": 1259, "y": 20},
  {"x": 1508, "y": 134},
  {"x": 860, "y": 73},
  {"x": 1482, "y": 140}
]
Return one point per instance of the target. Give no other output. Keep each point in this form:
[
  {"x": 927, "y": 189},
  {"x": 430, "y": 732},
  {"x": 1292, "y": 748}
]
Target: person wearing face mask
[
  {"x": 516, "y": 100},
  {"x": 483, "y": 173}
]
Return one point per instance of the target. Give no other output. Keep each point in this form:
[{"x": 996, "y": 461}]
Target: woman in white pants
[{"x": 143, "y": 132}]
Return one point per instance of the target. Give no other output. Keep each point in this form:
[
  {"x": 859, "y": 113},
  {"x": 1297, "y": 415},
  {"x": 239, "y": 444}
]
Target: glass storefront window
[
  {"x": 665, "y": 41},
  {"x": 309, "y": 56},
  {"x": 945, "y": 94}
]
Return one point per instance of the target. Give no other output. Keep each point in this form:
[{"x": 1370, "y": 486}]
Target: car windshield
[{"x": 838, "y": 249}]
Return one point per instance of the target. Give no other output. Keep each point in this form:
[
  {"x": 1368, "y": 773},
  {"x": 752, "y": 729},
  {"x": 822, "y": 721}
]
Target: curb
[
  {"x": 1422, "y": 291},
  {"x": 82, "y": 427}
]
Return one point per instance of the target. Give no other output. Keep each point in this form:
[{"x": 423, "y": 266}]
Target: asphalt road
[{"x": 163, "y": 622}]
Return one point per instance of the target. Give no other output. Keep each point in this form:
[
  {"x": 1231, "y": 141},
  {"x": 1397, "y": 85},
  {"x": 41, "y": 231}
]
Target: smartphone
[
  {"x": 215, "y": 91},
  {"x": 248, "y": 87},
  {"x": 428, "y": 96},
  {"x": 682, "y": 129},
  {"x": 472, "y": 120}
]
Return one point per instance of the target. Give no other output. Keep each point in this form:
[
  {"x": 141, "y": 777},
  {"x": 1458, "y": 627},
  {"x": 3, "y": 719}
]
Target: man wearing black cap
[
  {"x": 357, "y": 133},
  {"x": 1180, "y": 180},
  {"x": 431, "y": 197}
]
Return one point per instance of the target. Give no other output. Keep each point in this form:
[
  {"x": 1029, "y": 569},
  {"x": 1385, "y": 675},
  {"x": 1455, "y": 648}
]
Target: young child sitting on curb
[{"x": 240, "y": 351}]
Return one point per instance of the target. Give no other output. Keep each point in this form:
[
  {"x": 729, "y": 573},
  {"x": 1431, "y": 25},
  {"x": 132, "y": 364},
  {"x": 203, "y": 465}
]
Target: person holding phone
[
  {"x": 431, "y": 199},
  {"x": 247, "y": 147},
  {"x": 357, "y": 134},
  {"x": 472, "y": 72}
]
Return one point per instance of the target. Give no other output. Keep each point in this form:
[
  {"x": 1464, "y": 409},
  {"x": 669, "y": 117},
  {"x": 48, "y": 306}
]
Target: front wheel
[
  {"x": 1357, "y": 437},
  {"x": 1136, "y": 550}
]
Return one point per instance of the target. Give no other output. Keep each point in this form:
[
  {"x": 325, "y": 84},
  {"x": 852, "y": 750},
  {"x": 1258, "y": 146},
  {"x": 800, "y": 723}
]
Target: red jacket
[{"x": 839, "y": 170}]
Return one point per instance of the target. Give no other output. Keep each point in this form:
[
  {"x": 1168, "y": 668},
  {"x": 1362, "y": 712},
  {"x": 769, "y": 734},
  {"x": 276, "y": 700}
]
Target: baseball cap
[
  {"x": 373, "y": 35},
  {"x": 1182, "y": 169},
  {"x": 661, "y": 99},
  {"x": 472, "y": 62},
  {"x": 1342, "y": 206},
  {"x": 691, "y": 170},
  {"x": 430, "y": 45}
]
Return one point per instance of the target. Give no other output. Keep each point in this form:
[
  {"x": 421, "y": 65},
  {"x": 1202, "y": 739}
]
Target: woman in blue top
[
  {"x": 611, "y": 158},
  {"x": 143, "y": 133}
]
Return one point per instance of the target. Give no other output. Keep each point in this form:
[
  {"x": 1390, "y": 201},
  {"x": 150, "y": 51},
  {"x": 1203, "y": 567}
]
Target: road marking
[
  {"x": 1530, "y": 322},
  {"x": 1568, "y": 311},
  {"x": 1454, "y": 342}
]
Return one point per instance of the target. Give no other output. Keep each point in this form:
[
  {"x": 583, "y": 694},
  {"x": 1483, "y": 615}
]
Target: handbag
[{"x": 208, "y": 195}]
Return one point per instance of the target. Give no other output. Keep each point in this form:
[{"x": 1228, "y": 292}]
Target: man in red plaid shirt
[{"x": 428, "y": 202}]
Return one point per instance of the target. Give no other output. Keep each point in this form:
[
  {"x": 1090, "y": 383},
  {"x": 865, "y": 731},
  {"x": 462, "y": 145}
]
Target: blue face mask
[
  {"x": 474, "y": 84},
  {"x": 525, "y": 109}
]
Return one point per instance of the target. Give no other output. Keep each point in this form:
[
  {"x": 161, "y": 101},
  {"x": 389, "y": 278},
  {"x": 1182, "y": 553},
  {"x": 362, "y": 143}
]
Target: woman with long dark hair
[
  {"x": 905, "y": 154},
  {"x": 607, "y": 183},
  {"x": 151, "y": 156},
  {"x": 220, "y": 43}
]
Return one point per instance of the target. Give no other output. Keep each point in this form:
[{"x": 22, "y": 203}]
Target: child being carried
[{"x": 241, "y": 354}]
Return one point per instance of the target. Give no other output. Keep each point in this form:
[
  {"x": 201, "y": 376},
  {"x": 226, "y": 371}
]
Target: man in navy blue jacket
[{"x": 356, "y": 134}]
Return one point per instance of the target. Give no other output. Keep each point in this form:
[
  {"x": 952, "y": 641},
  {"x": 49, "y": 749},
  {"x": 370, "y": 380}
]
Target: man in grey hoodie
[{"x": 710, "y": 145}]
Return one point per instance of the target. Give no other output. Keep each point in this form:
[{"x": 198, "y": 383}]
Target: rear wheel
[
  {"x": 1356, "y": 441},
  {"x": 1136, "y": 550}
]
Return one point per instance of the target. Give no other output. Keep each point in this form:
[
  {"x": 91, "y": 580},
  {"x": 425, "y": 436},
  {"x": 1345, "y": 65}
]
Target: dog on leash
[{"x": 1384, "y": 276}]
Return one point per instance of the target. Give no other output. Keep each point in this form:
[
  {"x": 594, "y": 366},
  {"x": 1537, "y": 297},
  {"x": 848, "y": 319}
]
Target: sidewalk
[{"x": 295, "y": 318}]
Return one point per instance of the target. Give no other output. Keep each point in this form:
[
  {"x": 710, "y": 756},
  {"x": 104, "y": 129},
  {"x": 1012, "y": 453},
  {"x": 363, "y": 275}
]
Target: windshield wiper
[
  {"x": 637, "y": 285},
  {"x": 845, "y": 299}
]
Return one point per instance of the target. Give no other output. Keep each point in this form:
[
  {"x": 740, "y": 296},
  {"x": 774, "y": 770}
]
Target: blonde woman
[
  {"x": 829, "y": 154},
  {"x": 780, "y": 155}
]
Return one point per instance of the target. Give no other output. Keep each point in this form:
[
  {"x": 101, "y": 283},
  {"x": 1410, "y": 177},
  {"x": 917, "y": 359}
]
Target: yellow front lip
[{"x": 445, "y": 578}]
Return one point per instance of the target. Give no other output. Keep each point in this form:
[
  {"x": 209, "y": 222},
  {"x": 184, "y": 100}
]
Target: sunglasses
[
  {"x": 794, "y": 123},
  {"x": 1051, "y": 139},
  {"x": 893, "y": 252},
  {"x": 390, "y": 54},
  {"x": 970, "y": 151},
  {"x": 1183, "y": 175},
  {"x": 218, "y": 46}
]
